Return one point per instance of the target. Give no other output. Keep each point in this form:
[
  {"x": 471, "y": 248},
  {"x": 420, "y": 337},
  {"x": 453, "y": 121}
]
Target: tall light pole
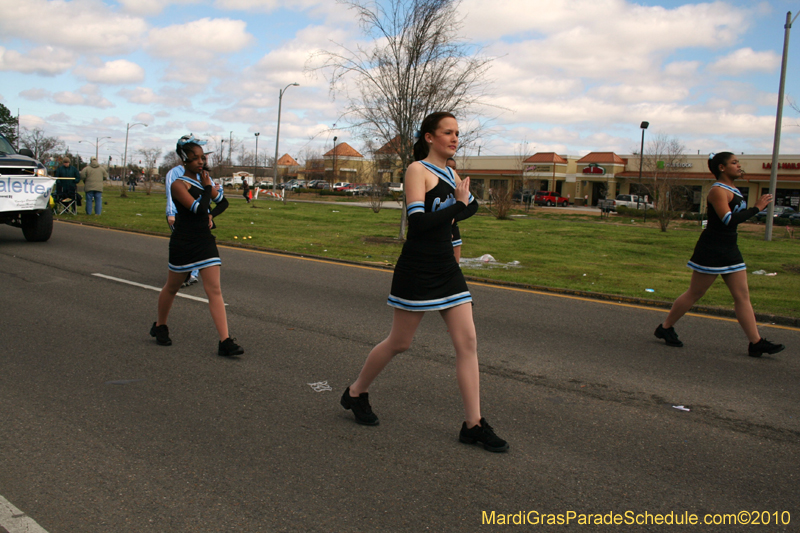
[
  {"x": 334, "y": 161},
  {"x": 278, "y": 136},
  {"x": 96, "y": 145},
  {"x": 644, "y": 125},
  {"x": 125, "y": 157},
  {"x": 776, "y": 145},
  {"x": 230, "y": 147},
  {"x": 255, "y": 164}
]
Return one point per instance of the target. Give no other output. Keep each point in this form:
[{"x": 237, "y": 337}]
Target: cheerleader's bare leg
[
  {"x": 697, "y": 288},
  {"x": 462, "y": 331},
  {"x": 404, "y": 326},
  {"x": 737, "y": 284},
  {"x": 216, "y": 304},
  {"x": 167, "y": 295}
]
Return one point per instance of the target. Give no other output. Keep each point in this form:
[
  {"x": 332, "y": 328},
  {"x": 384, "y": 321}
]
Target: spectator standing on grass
[
  {"x": 717, "y": 254},
  {"x": 68, "y": 185},
  {"x": 93, "y": 176},
  {"x": 246, "y": 190},
  {"x": 427, "y": 278},
  {"x": 193, "y": 246},
  {"x": 172, "y": 175},
  {"x": 131, "y": 182}
]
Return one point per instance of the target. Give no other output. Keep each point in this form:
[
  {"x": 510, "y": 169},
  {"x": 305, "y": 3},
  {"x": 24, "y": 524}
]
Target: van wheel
[
  {"x": 37, "y": 226},
  {"x": 565, "y": 204},
  {"x": 549, "y": 203}
]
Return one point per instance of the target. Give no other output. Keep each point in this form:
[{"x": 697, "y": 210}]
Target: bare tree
[
  {"x": 663, "y": 160},
  {"x": 171, "y": 160},
  {"x": 40, "y": 144},
  {"x": 415, "y": 64},
  {"x": 149, "y": 159},
  {"x": 523, "y": 151}
]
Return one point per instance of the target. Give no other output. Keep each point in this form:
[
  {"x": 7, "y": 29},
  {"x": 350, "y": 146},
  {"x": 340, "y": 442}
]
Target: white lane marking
[
  {"x": 157, "y": 289},
  {"x": 15, "y": 521}
]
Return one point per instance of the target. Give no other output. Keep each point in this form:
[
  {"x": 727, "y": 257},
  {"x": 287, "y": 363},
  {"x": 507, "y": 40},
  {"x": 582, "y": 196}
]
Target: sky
[{"x": 570, "y": 76}]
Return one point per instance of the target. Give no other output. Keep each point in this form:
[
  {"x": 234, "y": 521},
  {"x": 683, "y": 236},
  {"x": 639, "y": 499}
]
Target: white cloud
[
  {"x": 88, "y": 95},
  {"x": 151, "y": 7},
  {"x": 746, "y": 60},
  {"x": 117, "y": 72},
  {"x": 147, "y": 118},
  {"x": 45, "y": 61},
  {"x": 146, "y": 96},
  {"x": 199, "y": 40},
  {"x": 35, "y": 94},
  {"x": 79, "y": 25}
]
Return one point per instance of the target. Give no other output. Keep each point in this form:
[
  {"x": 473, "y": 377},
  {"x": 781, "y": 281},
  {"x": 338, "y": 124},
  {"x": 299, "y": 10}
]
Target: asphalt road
[{"x": 102, "y": 430}]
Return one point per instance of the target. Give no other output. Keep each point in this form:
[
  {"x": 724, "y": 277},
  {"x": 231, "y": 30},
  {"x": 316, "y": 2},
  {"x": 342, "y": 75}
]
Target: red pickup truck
[{"x": 550, "y": 198}]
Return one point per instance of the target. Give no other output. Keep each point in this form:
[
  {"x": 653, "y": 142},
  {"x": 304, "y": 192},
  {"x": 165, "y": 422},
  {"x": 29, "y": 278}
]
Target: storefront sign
[
  {"x": 782, "y": 166},
  {"x": 594, "y": 168}
]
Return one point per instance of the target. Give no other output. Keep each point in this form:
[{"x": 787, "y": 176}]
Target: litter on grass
[
  {"x": 650, "y": 290},
  {"x": 486, "y": 261},
  {"x": 681, "y": 408},
  {"x": 764, "y": 273}
]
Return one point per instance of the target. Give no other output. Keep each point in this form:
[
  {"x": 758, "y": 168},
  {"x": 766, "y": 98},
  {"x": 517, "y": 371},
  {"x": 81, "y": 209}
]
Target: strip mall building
[{"x": 597, "y": 175}]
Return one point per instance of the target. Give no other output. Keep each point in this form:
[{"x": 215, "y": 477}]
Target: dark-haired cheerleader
[
  {"x": 717, "y": 254},
  {"x": 427, "y": 278},
  {"x": 192, "y": 245}
]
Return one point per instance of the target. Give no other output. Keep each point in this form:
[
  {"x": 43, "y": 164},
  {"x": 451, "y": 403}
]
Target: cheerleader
[
  {"x": 716, "y": 254},
  {"x": 192, "y": 245},
  {"x": 427, "y": 278}
]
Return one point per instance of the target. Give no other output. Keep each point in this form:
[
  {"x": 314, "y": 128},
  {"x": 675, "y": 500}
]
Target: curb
[{"x": 646, "y": 302}]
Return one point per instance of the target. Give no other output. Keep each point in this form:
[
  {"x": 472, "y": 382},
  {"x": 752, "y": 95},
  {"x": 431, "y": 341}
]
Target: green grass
[{"x": 584, "y": 252}]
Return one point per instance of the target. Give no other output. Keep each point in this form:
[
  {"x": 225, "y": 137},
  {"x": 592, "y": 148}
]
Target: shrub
[
  {"x": 623, "y": 210},
  {"x": 782, "y": 221},
  {"x": 329, "y": 192}
]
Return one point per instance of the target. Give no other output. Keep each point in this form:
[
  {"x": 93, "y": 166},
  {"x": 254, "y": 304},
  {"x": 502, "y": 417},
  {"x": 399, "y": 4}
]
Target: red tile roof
[
  {"x": 546, "y": 157},
  {"x": 344, "y": 150},
  {"x": 390, "y": 147},
  {"x": 602, "y": 158},
  {"x": 287, "y": 161}
]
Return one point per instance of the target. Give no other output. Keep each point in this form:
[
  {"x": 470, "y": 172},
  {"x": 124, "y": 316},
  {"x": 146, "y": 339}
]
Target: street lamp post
[
  {"x": 255, "y": 164},
  {"x": 644, "y": 125},
  {"x": 230, "y": 147},
  {"x": 776, "y": 145},
  {"x": 125, "y": 157},
  {"x": 334, "y": 161},
  {"x": 278, "y": 136},
  {"x": 96, "y": 145}
]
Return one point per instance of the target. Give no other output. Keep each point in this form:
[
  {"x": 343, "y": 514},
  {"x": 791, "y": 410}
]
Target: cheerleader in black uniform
[
  {"x": 427, "y": 278},
  {"x": 192, "y": 246},
  {"x": 716, "y": 254}
]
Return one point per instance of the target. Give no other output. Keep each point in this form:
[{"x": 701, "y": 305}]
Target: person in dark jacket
[{"x": 67, "y": 179}]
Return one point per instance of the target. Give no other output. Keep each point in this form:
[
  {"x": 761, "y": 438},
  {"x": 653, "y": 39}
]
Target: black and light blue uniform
[
  {"x": 716, "y": 251},
  {"x": 427, "y": 277},
  {"x": 192, "y": 246}
]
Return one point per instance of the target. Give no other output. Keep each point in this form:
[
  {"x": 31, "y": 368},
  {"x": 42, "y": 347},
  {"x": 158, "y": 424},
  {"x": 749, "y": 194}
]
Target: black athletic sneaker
[
  {"x": 161, "y": 333},
  {"x": 360, "y": 407},
  {"x": 764, "y": 346},
  {"x": 482, "y": 434},
  {"x": 668, "y": 335},
  {"x": 228, "y": 347}
]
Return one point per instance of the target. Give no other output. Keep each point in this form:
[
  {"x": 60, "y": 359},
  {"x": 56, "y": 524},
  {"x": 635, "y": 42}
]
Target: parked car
[
  {"x": 632, "y": 201},
  {"x": 524, "y": 196},
  {"x": 359, "y": 190},
  {"x": 780, "y": 211},
  {"x": 342, "y": 186},
  {"x": 395, "y": 187},
  {"x": 319, "y": 184},
  {"x": 550, "y": 198}
]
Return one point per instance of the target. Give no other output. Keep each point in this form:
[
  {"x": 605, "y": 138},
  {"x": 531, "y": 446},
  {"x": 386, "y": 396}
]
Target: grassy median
[{"x": 572, "y": 251}]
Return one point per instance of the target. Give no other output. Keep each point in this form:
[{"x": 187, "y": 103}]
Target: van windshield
[{"x": 5, "y": 147}]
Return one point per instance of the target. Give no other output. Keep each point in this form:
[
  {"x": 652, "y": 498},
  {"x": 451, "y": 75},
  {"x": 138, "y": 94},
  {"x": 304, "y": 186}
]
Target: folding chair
[{"x": 65, "y": 202}]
